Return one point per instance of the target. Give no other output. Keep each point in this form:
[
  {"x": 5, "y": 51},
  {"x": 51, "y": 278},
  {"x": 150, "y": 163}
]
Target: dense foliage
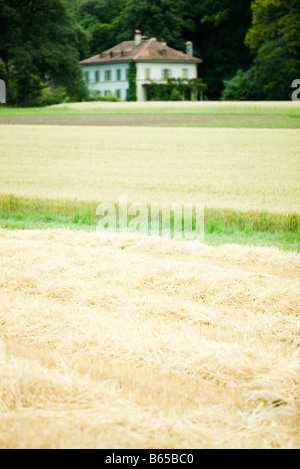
[
  {"x": 250, "y": 49},
  {"x": 40, "y": 45},
  {"x": 132, "y": 82},
  {"x": 274, "y": 39}
]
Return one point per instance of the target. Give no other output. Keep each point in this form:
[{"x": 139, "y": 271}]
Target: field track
[{"x": 203, "y": 352}]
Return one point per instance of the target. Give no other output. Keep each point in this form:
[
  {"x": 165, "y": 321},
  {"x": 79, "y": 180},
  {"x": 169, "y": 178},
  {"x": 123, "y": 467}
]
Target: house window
[
  {"x": 118, "y": 94},
  {"x": 87, "y": 77},
  {"x": 97, "y": 76},
  {"x": 107, "y": 93},
  {"x": 147, "y": 73},
  {"x": 119, "y": 76},
  {"x": 127, "y": 73},
  {"x": 185, "y": 73},
  {"x": 107, "y": 75},
  {"x": 166, "y": 73}
]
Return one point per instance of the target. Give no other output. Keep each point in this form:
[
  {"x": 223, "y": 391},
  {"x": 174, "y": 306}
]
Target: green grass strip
[
  {"x": 52, "y": 110},
  {"x": 221, "y": 226}
]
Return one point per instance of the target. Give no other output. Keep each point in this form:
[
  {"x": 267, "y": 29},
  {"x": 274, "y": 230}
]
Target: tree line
[{"x": 250, "y": 48}]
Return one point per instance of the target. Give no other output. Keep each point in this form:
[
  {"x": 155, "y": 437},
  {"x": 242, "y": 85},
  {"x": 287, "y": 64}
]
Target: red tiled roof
[{"x": 149, "y": 50}]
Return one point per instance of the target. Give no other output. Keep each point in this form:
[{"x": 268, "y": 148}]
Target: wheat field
[
  {"x": 203, "y": 352},
  {"x": 239, "y": 169},
  {"x": 179, "y": 105}
]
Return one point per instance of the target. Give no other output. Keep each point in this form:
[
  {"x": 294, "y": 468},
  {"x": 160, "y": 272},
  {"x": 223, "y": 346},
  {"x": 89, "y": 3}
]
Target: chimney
[
  {"x": 137, "y": 37},
  {"x": 189, "y": 48},
  {"x": 163, "y": 42}
]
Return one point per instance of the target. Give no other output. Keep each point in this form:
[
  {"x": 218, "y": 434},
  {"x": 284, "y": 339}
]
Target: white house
[{"x": 107, "y": 73}]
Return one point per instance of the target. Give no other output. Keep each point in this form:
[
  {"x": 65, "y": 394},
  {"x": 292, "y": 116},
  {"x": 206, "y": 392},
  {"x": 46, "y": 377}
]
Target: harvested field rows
[{"x": 128, "y": 342}]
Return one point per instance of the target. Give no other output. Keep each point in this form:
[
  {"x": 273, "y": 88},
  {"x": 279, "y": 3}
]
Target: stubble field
[{"x": 128, "y": 342}]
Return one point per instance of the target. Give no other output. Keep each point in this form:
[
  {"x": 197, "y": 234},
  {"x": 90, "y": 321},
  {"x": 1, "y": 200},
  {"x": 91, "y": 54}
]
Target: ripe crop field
[
  {"x": 122, "y": 341},
  {"x": 237, "y": 169}
]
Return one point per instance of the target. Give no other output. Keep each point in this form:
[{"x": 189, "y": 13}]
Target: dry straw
[{"x": 131, "y": 342}]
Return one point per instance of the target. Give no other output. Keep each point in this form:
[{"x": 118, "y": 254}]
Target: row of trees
[{"x": 250, "y": 48}]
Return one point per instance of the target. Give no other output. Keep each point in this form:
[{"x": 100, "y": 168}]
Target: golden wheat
[
  {"x": 181, "y": 106},
  {"x": 241, "y": 169}
]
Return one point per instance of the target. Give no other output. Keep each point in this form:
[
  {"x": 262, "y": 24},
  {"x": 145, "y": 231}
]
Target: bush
[
  {"x": 242, "y": 87},
  {"x": 175, "y": 90},
  {"x": 49, "y": 98},
  {"x": 97, "y": 97},
  {"x": 175, "y": 95},
  {"x": 32, "y": 91}
]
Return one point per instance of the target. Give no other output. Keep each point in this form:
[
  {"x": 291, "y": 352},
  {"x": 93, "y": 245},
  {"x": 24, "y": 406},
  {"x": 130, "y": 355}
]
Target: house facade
[{"x": 107, "y": 73}]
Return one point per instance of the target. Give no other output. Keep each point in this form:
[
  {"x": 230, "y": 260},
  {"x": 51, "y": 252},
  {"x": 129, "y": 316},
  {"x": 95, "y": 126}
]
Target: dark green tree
[
  {"x": 155, "y": 18},
  {"x": 218, "y": 29},
  {"x": 275, "y": 39},
  {"x": 40, "y": 43},
  {"x": 99, "y": 19}
]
